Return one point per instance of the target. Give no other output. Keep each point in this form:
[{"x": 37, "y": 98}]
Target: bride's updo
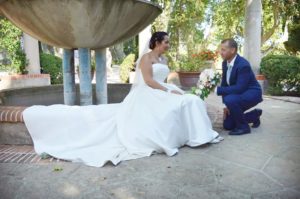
[{"x": 156, "y": 37}]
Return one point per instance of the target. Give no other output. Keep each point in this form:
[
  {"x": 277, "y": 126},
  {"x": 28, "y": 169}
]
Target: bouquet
[{"x": 208, "y": 80}]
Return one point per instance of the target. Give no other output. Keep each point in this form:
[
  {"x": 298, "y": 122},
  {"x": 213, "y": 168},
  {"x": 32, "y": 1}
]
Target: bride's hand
[{"x": 176, "y": 92}]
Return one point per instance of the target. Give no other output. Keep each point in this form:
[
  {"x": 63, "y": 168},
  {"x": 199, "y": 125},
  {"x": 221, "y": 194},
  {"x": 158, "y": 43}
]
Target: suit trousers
[{"x": 237, "y": 105}]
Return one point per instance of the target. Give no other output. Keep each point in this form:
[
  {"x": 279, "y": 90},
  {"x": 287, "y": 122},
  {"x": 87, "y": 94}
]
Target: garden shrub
[
  {"x": 282, "y": 73},
  {"x": 52, "y": 65},
  {"x": 126, "y": 66}
]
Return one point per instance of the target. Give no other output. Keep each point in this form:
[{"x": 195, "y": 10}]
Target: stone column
[
  {"x": 253, "y": 33},
  {"x": 31, "y": 48},
  {"x": 101, "y": 77},
  {"x": 69, "y": 77},
  {"x": 86, "y": 97}
]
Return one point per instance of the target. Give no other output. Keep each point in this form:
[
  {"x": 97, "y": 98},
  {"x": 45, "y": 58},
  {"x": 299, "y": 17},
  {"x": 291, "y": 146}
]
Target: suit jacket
[{"x": 241, "y": 79}]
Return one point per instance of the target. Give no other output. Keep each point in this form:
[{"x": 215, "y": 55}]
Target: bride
[{"x": 155, "y": 117}]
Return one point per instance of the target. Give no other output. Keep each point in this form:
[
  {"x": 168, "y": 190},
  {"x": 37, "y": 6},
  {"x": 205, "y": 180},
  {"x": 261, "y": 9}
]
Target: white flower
[
  {"x": 207, "y": 80},
  {"x": 211, "y": 74},
  {"x": 203, "y": 77},
  {"x": 198, "y": 92}
]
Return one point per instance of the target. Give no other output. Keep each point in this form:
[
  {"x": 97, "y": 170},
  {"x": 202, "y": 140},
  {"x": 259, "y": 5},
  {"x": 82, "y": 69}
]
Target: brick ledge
[
  {"x": 26, "y": 76},
  {"x": 11, "y": 113}
]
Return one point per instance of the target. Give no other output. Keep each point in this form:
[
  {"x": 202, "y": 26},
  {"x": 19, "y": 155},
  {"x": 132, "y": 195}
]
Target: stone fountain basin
[{"x": 71, "y": 24}]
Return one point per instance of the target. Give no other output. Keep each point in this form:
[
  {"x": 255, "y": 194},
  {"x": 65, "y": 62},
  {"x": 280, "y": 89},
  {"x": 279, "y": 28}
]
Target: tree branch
[{"x": 276, "y": 23}]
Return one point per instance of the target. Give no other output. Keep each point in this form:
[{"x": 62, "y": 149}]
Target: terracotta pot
[
  {"x": 188, "y": 79},
  {"x": 262, "y": 81},
  {"x": 260, "y": 77}
]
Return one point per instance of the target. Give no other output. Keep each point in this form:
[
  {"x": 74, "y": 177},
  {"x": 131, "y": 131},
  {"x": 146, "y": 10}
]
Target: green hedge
[
  {"x": 10, "y": 42},
  {"x": 52, "y": 65},
  {"x": 126, "y": 66},
  {"x": 282, "y": 73}
]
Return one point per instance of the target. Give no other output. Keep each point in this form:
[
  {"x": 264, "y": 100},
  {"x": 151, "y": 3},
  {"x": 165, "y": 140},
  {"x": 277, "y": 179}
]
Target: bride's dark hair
[{"x": 156, "y": 37}]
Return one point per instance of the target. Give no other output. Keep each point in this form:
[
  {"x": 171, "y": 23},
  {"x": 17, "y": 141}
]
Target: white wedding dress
[{"x": 147, "y": 121}]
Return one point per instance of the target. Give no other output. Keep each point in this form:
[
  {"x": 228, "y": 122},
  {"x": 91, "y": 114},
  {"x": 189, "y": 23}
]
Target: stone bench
[
  {"x": 12, "y": 127},
  {"x": 11, "y": 113}
]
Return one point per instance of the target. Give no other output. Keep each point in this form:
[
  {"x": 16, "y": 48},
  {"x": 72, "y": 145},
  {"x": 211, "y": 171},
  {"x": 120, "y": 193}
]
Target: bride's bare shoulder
[
  {"x": 146, "y": 57},
  {"x": 145, "y": 60}
]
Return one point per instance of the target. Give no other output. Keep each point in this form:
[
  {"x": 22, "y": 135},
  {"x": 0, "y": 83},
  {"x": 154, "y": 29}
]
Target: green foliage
[
  {"x": 197, "y": 61},
  {"x": 52, "y": 65},
  {"x": 10, "y": 41},
  {"x": 173, "y": 65},
  {"x": 45, "y": 155},
  {"x": 93, "y": 64},
  {"x": 282, "y": 73},
  {"x": 131, "y": 46},
  {"x": 186, "y": 64},
  {"x": 195, "y": 25},
  {"x": 127, "y": 66},
  {"x": 293, "y": 43},
  {"x": 228, "y": 18},
  {"x": 57, "y": 168},
  {"x": 182, "y": 20}
]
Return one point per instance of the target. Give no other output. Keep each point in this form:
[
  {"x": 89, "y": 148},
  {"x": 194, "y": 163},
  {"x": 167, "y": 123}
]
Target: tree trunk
[
  {"x": 117, "y": 52},
  {"x": 253, "y": 33}
]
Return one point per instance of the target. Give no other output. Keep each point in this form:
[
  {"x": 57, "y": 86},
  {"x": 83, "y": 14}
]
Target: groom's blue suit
[{"x": 242, "y": 93}]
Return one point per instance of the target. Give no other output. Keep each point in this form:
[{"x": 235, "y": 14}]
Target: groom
[{"x": 239, "y": 89}]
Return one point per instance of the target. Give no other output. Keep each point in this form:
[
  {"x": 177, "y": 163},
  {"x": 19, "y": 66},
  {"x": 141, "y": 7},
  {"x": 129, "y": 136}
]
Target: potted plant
[{"x": 190, "y": 67}]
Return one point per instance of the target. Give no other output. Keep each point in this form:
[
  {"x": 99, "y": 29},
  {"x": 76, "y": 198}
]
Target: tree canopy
[{"x": 195, "y": 24}]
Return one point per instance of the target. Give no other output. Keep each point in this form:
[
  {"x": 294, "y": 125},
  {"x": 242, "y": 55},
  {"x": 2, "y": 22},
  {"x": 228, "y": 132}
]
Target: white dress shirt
[{"x": 229, "y": 68}]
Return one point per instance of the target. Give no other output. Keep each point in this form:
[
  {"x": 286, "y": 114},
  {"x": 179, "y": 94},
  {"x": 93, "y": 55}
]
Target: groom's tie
[{"x": 228, "y": 73}]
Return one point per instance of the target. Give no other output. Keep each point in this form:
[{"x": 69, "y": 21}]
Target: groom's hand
[{"x": 226, "y": 112}]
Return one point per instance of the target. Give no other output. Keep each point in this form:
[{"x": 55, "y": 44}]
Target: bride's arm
[{"x": 146, "y": 68}]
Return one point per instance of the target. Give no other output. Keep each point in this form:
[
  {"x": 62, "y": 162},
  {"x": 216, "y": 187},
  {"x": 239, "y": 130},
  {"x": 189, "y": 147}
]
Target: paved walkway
[{"x": 263, "y": 164}]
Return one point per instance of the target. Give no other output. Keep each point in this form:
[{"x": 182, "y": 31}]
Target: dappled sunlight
[
  {"x": 70, "y": 190},
  {"x": 123, "y": 193},
  {"x": 275, "y": 106}
]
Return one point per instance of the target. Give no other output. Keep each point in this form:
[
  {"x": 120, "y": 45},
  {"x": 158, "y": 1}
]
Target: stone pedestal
[
  {"x": 101, "y": 77},
  {"x": 86, "y": 97},
  {"x": 69, "y": 77}
]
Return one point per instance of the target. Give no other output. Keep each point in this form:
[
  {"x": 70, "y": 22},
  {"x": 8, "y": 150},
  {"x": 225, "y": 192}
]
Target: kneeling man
[{"x": 240, "y": 91}]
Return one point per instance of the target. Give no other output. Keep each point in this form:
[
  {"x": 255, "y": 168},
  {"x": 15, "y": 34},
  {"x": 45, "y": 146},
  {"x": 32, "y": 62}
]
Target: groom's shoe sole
[
  {"x": 240, "y": 131},
  {"x": 256, "y": 124}
]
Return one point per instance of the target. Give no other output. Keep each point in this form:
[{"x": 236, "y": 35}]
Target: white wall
[{"x": 31, "y": 49}]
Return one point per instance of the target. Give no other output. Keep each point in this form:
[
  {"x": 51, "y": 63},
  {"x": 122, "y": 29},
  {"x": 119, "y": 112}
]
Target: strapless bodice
[{"x": 160, "y": 71}]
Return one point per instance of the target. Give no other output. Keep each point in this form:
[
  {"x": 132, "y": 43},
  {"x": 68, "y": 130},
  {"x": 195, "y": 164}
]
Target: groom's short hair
[{"x": 231, "y": 43}]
